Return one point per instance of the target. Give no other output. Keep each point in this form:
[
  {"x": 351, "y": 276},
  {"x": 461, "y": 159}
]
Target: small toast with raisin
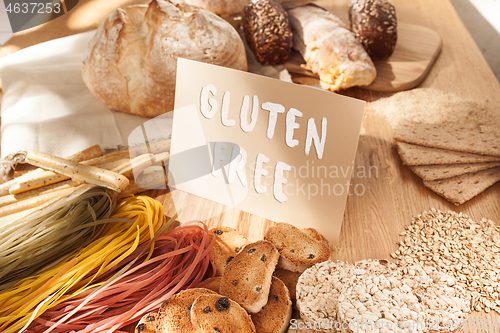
[
  {"x": 298, "y": 251},
  {"x": 247, "y": 278},
  {"x": 216, "y": 313},
  {"x": 228, "y": 242}
]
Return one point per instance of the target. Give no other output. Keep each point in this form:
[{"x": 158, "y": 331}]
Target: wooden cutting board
[{"x": 416, "y": 51}]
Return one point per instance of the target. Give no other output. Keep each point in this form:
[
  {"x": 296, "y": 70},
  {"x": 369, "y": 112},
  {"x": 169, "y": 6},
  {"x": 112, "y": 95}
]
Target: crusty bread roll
[
  {"x": 131, "y": 62},
  {"x": 221, "y": 7},
  {"x": 375, "y": 25},
  {"x": 267, "y": 31},
  {"x": 330, "y": 49}
]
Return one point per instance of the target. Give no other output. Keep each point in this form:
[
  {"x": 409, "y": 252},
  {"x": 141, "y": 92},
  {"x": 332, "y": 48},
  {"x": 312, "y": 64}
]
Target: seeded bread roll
[
  {"x": 220, "y": 7},
  {"x": 147, "y": 324},
  {"x": 131, "y": 62},
  {"x": 375, "y": 25},
  {"x": 267, "y": 31},
  {"x": 297, "y": 250},
  {"x": 216, "y": 313},
  {"x": 174, "y": 315},
  {"x": 276, "y": 314},
  {"x": 247, "y": 278},
  {"x": 228, "y": 242}
]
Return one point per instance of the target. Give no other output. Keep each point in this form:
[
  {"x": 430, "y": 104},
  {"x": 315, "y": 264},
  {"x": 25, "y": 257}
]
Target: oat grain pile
[{"x": 453, "y": 243}]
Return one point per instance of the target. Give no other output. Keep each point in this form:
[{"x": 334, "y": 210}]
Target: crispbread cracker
[
  {"x": 443, "y": 171},
  {"x": 453, "y": 136},
  {"x": 421, "y": 155},
  {"x": 465, "y": 187}
]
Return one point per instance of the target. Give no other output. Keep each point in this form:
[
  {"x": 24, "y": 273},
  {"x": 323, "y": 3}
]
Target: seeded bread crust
[
  {"x": 267, "y": 31},
  {"x": 147, "y": 324},
  {"x": 228, "y": 242},
  {"x": 297, "y": 250},
  {"x": 216, "y": 313},
  {"x": 174, "y": 315},
  {"x": 276, "y": 314},
  {"x": 247, "y": 278}
]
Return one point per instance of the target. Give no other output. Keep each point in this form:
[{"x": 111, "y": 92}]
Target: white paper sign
[{"x": 274, "y": 149}]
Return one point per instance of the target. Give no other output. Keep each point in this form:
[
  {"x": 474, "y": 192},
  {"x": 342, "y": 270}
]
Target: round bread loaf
[
  {"x": 375, "y": 25},
  {"x": 267, "y": 31},
  {"x": 221, "y": 7},
  {"x": 131, "y": 62}
]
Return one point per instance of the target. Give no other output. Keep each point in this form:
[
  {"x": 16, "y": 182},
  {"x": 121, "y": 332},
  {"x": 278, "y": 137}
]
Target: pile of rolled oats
[
  {"x": 452, "y": 243},
  {"x": 378, "y": 296}
]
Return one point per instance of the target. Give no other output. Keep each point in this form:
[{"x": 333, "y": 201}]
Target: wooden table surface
[{"x": 372, "y": 221}]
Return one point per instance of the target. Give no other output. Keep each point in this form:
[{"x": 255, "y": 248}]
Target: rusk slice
[
  {"x": 276, "y": 314},
  {"x": 247, "y": 278},
  {"x": 453, "y": 136},
  {"x": 147, "y": 324},
  {"x": 290, "y": 280},
  {"x": 330, "y": 49},
  {"x": 297, "y": 250},
  {"x": 421, "y": 155},
  {"x": 465, "y": 187},
  {"x": 216, "y": 313},
  {"x": 212, "y": 284},
  {"x": 174, "y": 315},
  {"x": 228, "y": 242},
  {"x": 434, "y": 172}
]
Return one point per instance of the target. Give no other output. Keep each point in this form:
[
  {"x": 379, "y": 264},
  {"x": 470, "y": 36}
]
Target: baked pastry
[
  {"x": 275, "y": 316},
  {"x": 330, "y": 49},
  {"x": 267, "y": 31},
  {"x": 375, "y": 25},
  {"x": 247, "y": 278},
  {"x": 147, "y": 324},
  {"x": 221, "y": 7},
  {"x": 297, "y": 250},
  {"x": 216, "y": 313},
  {"x": 228, "y": 242},
  {"x": 131, "y": 62},
  {"x": 174, "y": 315}
]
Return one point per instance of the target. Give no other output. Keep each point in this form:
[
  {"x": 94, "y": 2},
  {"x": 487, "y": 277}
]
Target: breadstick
[
  {"x": 78, "y": 171},
  {"x": 33, "y": 202},
  {"x": 10, "y": 199}
]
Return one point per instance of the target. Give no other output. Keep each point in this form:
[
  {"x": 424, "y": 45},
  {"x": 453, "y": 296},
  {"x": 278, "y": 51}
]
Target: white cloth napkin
[{"x": 46, "y": 106}]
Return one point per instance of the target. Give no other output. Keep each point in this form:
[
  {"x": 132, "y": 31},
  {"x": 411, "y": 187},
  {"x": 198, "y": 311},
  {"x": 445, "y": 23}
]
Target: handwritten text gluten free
[{"x": 209, "y": 107}]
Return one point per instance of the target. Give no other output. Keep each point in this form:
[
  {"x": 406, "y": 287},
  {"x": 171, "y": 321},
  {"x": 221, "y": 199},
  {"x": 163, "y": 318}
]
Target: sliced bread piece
[
  {"x": 247, "y": 278},
  {"x": 297, "y": 250},
  {"x": 313, "y": 233},
  {"x": 174, "y": 315},
  {"x": 290, "y": 280},
  {"x": 216, "y": 313},
  {"x": 228, "y": 242},
  {"x": 276, "y": 314},
  {"x": 147, "y": 324},
  {"x": 212, "y": 284}
]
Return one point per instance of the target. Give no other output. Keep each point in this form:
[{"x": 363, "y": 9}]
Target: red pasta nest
[{"x": 180, "y": 260}]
